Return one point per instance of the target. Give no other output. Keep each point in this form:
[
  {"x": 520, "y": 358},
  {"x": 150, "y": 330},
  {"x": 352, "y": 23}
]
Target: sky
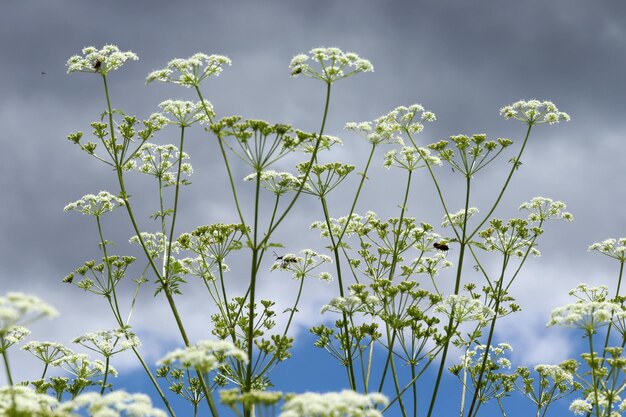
[{"x": 462, "y": 60}]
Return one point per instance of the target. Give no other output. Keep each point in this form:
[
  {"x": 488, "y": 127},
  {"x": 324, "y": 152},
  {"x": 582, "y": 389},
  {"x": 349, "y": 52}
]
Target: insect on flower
[
  {"x": 285, "y": 260},
  {"x": 97, "y": 65},
  {"x": 441, "y": 246}
]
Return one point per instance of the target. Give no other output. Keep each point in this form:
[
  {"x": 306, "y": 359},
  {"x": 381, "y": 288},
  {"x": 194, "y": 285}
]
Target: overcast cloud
[{"x": 463, "y": 60}]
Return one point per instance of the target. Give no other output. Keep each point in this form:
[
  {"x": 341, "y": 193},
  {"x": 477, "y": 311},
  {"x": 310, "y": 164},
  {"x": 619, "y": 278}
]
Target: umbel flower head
[
  {"x": 24, "y": 401},
  {"x": 390, "y": 127},
  {"x": 17, "y": 308},
  {"x": 335, "y": 64},
  {"x": 590, "y": 311},
  {"x": 204, "y": 356},
  {"x": 185, "y": 113},
  {"x": 101, "y": 61},
  {"x": 534, "y": 112},
  {"x": 95, "y": 205},
  {"x": 334, "y": 404},
  {"x": 114, "y": 404},
  {"x": 190, "y": 72},
  {"x": 614, "y": 248}
]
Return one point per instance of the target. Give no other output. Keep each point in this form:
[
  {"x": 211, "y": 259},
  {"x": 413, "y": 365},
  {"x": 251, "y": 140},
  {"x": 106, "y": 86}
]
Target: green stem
[
  {"x": 253, "y": 278},
  {"x": 5, "y": 359},
  {"x": 593, "y": 372},
  {"x": 392, "y": 270},
  {"x": 348, "y": 350},
  {"x": 506, "y": 183},
  {"x": 388, "y": 360},
  {"x": 168, "y": 251},
  {"x": 397, "y": 387},
  {"x": 170, "y": 299},
  {"x": 225, "y": 158},
  {"x": 111, "y": 285},
  {"x": 358, "y": 192},
  {"x": 489, "y": 337},
  {"x": 608, "y": 332},
  {"x": 154, "y": 383},
  {"x": 308, "y": 171},
  {"x": 457, "y": 286}
]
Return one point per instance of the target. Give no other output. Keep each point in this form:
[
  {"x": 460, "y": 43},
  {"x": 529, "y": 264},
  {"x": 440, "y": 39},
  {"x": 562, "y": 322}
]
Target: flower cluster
[
  {"x": 464, "y": 309},
  {"x": 18, "y": 400},
  {"x": 20, "y": 308},
  {"x": 95, "y": 205},
  {"x": 47, "y": 352},
  {"x": 190, "y": 72},
  {"x": 534, "y": 112},
  {"x": 108, "y": 343},
  {"x": 204, "y": 356},
  {"x": 302, "y": 266},
  {"x": 591, "y": 311},
  {"x": 102, "y": 61},
  {"x": 259, "y": 143},
  {"x": 410, "y": 158},
  {"x": 350, "y": 304},
  {"x": 514, "y": 237},
  {"x": 115, "y": 404},
  {"x": 11, "y": 336},
  {"x": 155, "y": 243},
  {"x": 83, "y": 368},
  {"x": 554, "y": 383},
  {"x": 278, "y": 183},
  {"x": 158, "y": 161},
  {"x": 95, "y": 279},
  {"x": 475, "y": 152},
  {"x": 614, "y": 248},
  {"x": 186, "y": 113},
  {"x": 335, "y": 64},
  {"x": 458, "y": 218},
  {"x": 334, "y": 404},
  {"x": 387, "y": 128},
  {"x": 542, "y": 208},
  {"x": 213, "y": 241}
]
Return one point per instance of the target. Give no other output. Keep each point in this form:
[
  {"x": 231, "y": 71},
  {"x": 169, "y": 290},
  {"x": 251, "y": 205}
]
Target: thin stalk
[
  {"x": 358, "y": 192},
  {"x": 388, "y": 360},
  {"x": 396, "y": 384},
  {"x": 5, "y": 359},
  {"x": 414, "y": 390},
  {"x": 170, "y": 299},
  {"x": 154, "y": 383},
  {"x": 287, "y": 326},
  {"x": 593, "y": 373},
  {"x": 111, "y": 286},
  {"x": 506, "y": 183},
  {"x": 457, "y": 286},
  {"x": 230, "y": 174},
  {"x": 392, "y": 270},
  {"x": 489, "y": 337},
  {"x": 253, "y": 278},
  {"x": 407, "y": 386},
  {"x": 106, "y": 374},
  {"x": 608, "y": 332},
  {"x": 308, "y": 171},
  {"x": 176, "y": 193},
  {"x": 348, "y": 350}
]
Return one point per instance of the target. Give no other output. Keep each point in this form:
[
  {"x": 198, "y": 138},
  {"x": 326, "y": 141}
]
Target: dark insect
[
  {"x": 441, "y": 246},
  {"x": 296, "y": 71},
  {"x": 43, "y": 73},
  {"x": 285, "y": 260},
  {"x": 97, "y": 65}
]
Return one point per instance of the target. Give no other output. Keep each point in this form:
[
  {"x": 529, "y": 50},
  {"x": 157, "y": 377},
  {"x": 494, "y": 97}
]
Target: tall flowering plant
[{"x": 394, "y": 319}]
